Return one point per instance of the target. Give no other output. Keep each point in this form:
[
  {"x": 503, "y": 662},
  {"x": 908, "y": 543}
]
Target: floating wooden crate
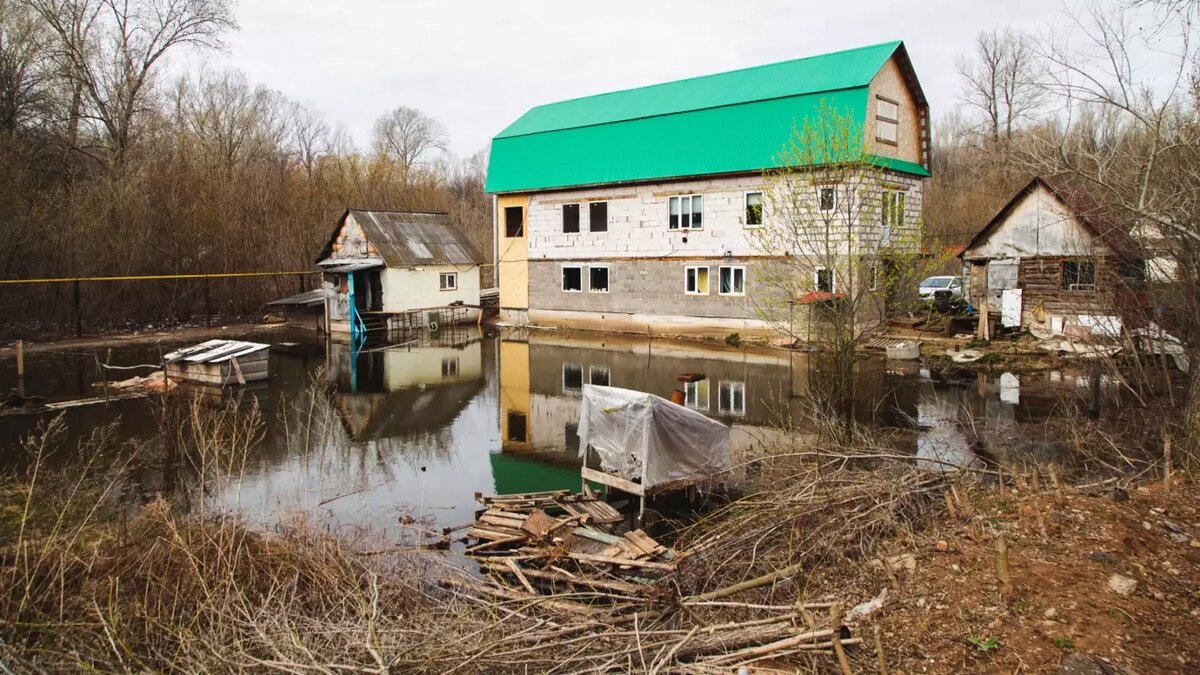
[{"x": 218, "y": 363}]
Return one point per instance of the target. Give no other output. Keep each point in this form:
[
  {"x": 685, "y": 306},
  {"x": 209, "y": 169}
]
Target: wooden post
[
  {"x": 21, "y": 368},
  {"x": 1002, "y": 571},
  {"x": 78, "y": 312},
  {"x": 207, "y": 305},
  {"x": 1167, "y": 442},
  {"x": 881, "y": 660},
  {"x": 835, "y": 624}
]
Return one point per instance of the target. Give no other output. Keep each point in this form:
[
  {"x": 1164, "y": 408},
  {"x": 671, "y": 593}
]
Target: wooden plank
[
  {"x": 538, "y": 523},
  {"x": 516, "y": 570},
  {"x": 597, "y": 535},
  {"x": 611, "y": 481},
  {"x": 648, "y": 564}
]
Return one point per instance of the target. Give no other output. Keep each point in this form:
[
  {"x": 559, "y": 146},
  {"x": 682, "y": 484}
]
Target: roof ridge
[
  {"x": 839, "y": 52},
  {"x": 414, "y": 213}
]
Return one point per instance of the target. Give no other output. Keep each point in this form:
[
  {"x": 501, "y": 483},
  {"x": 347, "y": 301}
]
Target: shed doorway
[
  {"x": 1001, "y": 276},
  {"x": 368, "y": 291}
]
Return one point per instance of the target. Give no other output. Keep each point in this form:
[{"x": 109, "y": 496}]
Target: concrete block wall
[
  {"x": 638, "y": 220},
  {"x": 641, "y": 286}
]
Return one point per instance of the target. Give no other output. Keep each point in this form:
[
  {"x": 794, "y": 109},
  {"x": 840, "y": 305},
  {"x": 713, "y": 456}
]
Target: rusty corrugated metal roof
[{"x": 405, "y": 239}]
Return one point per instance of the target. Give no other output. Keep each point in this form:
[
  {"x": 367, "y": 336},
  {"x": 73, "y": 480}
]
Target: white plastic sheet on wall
[
  {"x": 646, "y": 438},
  {"x": 1010, "y": 308}
]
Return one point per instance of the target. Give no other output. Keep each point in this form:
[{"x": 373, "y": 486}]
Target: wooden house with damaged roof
[
  {"x": 1054, "y": 261},
  {"x": 636, "y": 210},
  {"x": 394, "y": 270}
]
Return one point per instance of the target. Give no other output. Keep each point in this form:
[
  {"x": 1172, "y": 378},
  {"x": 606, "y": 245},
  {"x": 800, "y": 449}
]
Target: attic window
[
  {"x": 418, "y": 249},
  {"x": 887, "y": 120}
]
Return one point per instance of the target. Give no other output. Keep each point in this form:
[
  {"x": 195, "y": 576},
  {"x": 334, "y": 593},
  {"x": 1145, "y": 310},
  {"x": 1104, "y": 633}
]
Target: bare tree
[
  {"x": 406, "y": 135},
  {"x": 1136, "y": 144},
  {"x": 26, "y": 78},
  {"x": 112, "y": 50},
  {"x": 840, "y": 243},
  {"x": 1001, "y": 82}
]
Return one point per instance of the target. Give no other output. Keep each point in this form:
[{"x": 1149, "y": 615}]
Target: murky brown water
[{"x": 416, "y": 430}]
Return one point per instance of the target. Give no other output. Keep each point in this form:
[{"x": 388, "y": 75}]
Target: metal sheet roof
[
  {"x": 306, "y": 299},
  {"x": 214, "y": 351},
  {"x": 405, "y": 239},
  {"x": 725, "y": 123}
]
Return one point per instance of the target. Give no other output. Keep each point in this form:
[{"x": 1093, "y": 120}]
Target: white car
[{"x": 931, "y": 285}]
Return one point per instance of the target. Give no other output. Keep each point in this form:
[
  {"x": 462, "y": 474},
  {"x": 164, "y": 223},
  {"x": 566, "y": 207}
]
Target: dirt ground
[
  {"x": 1067, "y": 612},
  {"x": 184, "y": 334}
]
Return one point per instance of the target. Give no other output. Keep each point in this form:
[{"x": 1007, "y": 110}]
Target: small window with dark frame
[
  {"x": 827, "y": 197},
  {"x": 514, "y": 221},
  {"x": 570, "y": 218},
  {"x": 598, "y": 279},
  {"x": 571, "y": 437},
  {"x": 516, "y": 427},
  {"x": 754, "y": 209},
  {"x": 1079, "y": 275},
  {"x": 873, "y": 275},
  {"x": 572, "y": 279},
  {"x": 598, "y": 217},
  {"x": 572, "y": 377},
  {"x": 825, "y": 280}
]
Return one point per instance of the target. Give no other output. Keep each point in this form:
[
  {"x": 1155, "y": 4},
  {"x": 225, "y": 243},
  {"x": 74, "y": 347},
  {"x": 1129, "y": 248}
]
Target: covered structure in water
[{"x": 646, "y": 444}]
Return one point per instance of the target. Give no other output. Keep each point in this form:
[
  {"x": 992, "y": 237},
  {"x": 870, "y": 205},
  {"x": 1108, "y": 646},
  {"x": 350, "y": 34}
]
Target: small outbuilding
[
  {"x": 1052, "y": 260},
  {"x": 394, "y": 270}
]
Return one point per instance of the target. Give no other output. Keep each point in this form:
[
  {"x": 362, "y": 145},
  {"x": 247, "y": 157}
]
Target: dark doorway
[{"x": 368, "y": 291}]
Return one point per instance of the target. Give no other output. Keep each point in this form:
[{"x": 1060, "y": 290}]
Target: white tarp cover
[{"x": 646, "y": 438}]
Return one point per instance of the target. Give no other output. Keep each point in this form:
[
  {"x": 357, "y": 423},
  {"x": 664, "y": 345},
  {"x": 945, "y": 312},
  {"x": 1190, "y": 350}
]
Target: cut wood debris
[{"x": 552, "y": 542}]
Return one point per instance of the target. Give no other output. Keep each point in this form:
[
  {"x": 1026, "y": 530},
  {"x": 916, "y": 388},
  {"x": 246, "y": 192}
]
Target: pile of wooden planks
[{"x": 552, "y": 542}]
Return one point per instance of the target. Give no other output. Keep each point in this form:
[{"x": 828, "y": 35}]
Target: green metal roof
[{"x": 725, "y": 123}]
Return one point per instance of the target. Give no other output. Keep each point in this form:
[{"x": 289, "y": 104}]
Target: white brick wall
[{"x": 638, "y": 220}]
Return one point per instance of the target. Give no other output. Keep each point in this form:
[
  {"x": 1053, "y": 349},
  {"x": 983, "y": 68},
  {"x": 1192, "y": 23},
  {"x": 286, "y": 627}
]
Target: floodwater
[{"x": 413, "y": 431}]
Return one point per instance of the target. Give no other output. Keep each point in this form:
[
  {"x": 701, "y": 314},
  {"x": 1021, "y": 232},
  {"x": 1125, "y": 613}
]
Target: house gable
[
  {"x": 348, "y": 241},
  {"x": 1037, "y": 222}
]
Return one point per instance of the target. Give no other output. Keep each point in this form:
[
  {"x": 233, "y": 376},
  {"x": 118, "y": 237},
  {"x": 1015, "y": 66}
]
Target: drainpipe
[{"x": 496, "y": 247}]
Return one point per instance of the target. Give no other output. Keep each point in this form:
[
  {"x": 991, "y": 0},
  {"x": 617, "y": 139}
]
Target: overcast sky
[{"x": 476, "y": 66}]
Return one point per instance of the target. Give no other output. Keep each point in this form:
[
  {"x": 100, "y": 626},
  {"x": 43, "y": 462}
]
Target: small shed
[
  {"x": 397, "y": 269},
  {"x": 304, "y": 311},
  {"x": 647, "y": 444},
  {"x": 1053, "y": 260},
  {"x": 213, "y": 366}
]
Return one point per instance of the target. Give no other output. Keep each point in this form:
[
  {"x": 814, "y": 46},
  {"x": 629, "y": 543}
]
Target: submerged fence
[{"x": 77, "y": 304}]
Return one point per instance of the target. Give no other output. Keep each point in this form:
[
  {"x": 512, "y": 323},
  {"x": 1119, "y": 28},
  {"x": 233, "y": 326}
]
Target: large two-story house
[{"x": 632, "y": 211}]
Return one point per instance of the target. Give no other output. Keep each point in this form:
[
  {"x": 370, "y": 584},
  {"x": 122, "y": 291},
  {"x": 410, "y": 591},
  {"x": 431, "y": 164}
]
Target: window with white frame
[
  {"x": 695, "y": 395},
  {"x": 733, "y": 280},
  {"x": 686, "y": 212},
  {"x": 891, "y": 215},
  {"x": 731, "y": 398},
  {"x": 754, "y": 209},
  {"x": 448, "y": 281},
  {"x": 827, "y": 198},
  {"x": 598, "y": 279},
  {"x": 450, "y": 367},
  {"x": 873, "y": 276},
  {"x": 887, "y": 120},
  {"x": 572, "y": 377},
  {"x": 572, "y": 279},
  {"x": 695, "y": 280},
  {"x": 600, "y": 376},
  {"x": 825, "y": 280}
]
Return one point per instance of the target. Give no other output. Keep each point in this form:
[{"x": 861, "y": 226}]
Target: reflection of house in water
[
  {"x": 404, "y": 390},
  {"x": 542, "y": 378}
]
